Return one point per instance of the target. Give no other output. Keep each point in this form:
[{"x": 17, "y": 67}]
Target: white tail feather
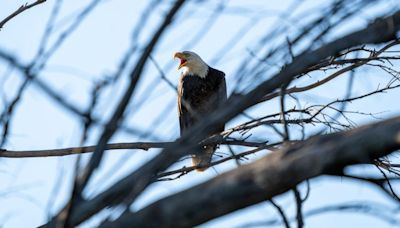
[{"x": 204, "y": 158}]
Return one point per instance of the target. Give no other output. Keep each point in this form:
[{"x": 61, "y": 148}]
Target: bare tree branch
[
  {"x": 377, "y": 210},
  {"x": 356, "y": 63},
  {"x": 19, "y": 11},
  {"x": 281, "y": 212},
  {"x": 115, "y": 146},
  {"x": 267, "y": 177},
  {"x": 114, "y": 121},
  {"x": 380, "y": 31},
  {"x": 304, "y": 134}
]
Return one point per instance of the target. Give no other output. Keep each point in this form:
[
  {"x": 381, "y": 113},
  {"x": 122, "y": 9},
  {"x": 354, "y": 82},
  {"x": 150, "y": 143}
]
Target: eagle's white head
[{"x": 191, "y": 63}]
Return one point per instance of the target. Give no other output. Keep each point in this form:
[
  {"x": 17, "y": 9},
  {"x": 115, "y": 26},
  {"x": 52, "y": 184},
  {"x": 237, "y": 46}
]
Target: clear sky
[{"x": 32, "y": 189}]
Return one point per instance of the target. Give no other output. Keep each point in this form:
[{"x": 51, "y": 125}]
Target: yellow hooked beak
[{"x": 180, "y": 56}]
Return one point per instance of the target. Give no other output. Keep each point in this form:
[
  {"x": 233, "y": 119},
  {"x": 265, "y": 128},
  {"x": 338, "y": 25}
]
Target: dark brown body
[{"x": 198, "y": 97}]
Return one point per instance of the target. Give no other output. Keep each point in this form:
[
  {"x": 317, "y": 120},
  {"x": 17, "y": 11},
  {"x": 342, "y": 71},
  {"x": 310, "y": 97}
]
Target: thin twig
[
  {"x": 281, "y": 213},
  {"x": 19, "y": 11}
]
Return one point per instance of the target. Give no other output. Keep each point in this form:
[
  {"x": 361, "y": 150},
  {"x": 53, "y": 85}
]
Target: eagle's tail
[{"x": 203, "y": 158}]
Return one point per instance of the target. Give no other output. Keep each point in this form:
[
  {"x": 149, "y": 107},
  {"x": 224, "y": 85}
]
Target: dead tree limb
[
  {"x": 268, "y": 177},
  {"x": 128, "y": 188},
  {"x": 113, "y": 146}
]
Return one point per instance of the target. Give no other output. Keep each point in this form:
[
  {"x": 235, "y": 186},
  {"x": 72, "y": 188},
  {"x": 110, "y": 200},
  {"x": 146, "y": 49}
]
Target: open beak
[{"x": 182, "y": 58}]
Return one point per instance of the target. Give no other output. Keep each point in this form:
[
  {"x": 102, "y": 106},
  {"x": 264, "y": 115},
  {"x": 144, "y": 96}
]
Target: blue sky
[{"x": 31, "y": 188}]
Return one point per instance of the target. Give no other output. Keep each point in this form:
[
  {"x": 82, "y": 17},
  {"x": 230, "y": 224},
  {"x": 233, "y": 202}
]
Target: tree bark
[{"x": 270, "y": 176}]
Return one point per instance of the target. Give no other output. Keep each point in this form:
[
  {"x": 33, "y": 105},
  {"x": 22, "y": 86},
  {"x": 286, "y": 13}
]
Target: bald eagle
[{"x": 201, "y": 90}]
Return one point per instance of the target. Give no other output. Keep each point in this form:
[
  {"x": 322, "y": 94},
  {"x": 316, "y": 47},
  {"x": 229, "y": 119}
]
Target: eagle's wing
[
  {"x": 198, "y": 98},
  {"x": 222, "y": 97},
  {"x": 186, "y": 116}
]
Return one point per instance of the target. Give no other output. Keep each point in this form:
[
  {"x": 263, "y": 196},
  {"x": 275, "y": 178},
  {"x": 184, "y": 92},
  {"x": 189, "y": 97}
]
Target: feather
[{"x": 198, "y": 97}]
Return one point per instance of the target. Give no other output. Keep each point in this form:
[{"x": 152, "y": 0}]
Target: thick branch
[
  {"x": 268, "y": 177},
  {"x": 132, "y": 185}
]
